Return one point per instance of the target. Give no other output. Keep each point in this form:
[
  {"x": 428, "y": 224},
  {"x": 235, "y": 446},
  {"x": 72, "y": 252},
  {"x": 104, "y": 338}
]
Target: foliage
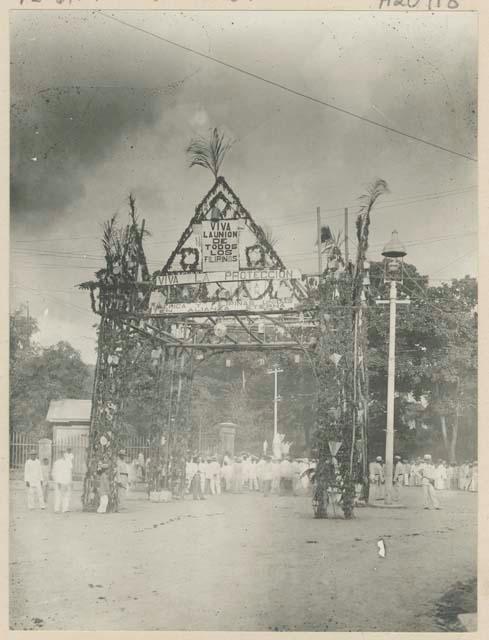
[
  {"x": 436, "y": 366},
  {"x": 209, "y": 153},
  {"x": 39, "y": 375}
]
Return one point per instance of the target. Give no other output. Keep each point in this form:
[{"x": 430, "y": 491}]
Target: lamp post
[
  {"x": 394, "y": 252},
  {"x": 276, "y": 397}
]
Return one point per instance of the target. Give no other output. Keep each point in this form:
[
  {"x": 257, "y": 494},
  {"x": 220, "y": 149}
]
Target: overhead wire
[{"x": 287, "y": 89}]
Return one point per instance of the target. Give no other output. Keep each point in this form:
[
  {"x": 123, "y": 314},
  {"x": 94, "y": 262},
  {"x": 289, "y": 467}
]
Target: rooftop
[{"x": 69, "y": 411}]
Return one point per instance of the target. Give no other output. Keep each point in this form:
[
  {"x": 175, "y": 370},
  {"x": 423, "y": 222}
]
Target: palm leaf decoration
[
  {"x": 376, "y": 189},
  {"x": 368, "y": 200},
  {"x": 209, "y": 153},
  {"x": 269, "y": 235}
]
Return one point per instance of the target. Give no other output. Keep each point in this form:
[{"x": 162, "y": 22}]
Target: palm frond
[
  {"x": 109, "y": 234},
  {"x": 269, "y": 235},
  {"x": 376, "y": 189},
  {"x": 209, "y": 153}
]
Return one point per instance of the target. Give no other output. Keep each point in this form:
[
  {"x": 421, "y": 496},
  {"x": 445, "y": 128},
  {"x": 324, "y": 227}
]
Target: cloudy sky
[{"x": 101, "y": 108}]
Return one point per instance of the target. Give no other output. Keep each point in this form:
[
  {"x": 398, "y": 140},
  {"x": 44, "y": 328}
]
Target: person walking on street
[
  {"x": 428, "y": 473},
  {"x": 33, "y": 481},
  {"x": 62, "y": 484}
]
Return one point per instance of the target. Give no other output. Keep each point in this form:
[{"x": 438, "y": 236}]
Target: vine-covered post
[
  {"x": 118, "y": 292},
  {"x": 341, "y": 436}
]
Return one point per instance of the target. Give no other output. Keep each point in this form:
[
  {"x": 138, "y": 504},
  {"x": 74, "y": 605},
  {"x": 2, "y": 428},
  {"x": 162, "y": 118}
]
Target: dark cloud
[{"x": 60, "y": 134}]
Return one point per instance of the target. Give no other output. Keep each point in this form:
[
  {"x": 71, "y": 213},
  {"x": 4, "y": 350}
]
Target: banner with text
[{"x": 220, "y": 245}]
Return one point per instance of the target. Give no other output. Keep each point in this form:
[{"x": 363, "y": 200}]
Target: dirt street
[{"x": 237, "y": 562}]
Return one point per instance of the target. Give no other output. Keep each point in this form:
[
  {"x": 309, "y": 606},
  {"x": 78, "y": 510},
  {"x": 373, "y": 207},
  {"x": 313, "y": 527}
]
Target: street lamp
[
  {"x": 394, "y": 252},
  {"x": 276, "y": 397}
]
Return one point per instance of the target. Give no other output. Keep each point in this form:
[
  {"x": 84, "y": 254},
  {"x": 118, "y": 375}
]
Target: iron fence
[{"x": 21, "y": 444}]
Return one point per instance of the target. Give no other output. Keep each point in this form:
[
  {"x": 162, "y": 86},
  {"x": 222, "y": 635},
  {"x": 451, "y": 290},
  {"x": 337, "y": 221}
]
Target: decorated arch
[{"x": 225, "y": 288}]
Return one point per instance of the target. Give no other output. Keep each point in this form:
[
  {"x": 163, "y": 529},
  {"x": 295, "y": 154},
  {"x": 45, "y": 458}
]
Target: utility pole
[
  {"x": 346, "y": 236},
  {"x": 320, "y": 262},
  {"x": 393, "y": 252},
  {"x": 276, "y": 397}
]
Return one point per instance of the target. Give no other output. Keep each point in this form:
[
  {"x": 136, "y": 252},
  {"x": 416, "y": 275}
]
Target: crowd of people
[
  {"x": 210, "y": 475},
  {"x": 455, "y": 476},
  {"x": 246, "y": 472},
  {"x": 423, "y": 472}
]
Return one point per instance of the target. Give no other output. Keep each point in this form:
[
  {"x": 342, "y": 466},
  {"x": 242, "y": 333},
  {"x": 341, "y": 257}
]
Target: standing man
[
  {"x": 45, "y": 469},
  {"x": 267, "y": 476},
  {"x": 33, "y": 480},
  {"x": 253, "y": 471},
  {"x": 195, "y": 482},
  {"x": 398, "y": 478},
  {"x": 427, "y": 472},
  {"x": 103, "y": 488},
  {"x": 376, "y": 479},
  {"x": 216, "y": 472},
  {"x": 62, "y": 483},
  {"x": 122, "y": 476},
  {"x": 286, "y": 477}
]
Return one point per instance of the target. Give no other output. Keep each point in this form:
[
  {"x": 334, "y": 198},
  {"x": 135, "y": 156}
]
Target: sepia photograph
[{"x": 243, "y": 319}]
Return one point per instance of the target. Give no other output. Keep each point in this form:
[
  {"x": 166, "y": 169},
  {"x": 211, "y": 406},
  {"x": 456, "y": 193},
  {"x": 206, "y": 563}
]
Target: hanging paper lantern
[
  {"x": 220, "y": 330},
  {"x": 103, "y": 441},
  {"x": 335, "y": 358},
  {"x": 199, "y": 356},
  {"x": 297, "y": 358},
  {"x": 113, "y": 360},
  {"x": 228, "y": 363}
]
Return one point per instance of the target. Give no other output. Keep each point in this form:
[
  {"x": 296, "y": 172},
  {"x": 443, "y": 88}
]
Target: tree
[
  {"x": 39, "y": 375},
  {"x": 436, "y": 365}
]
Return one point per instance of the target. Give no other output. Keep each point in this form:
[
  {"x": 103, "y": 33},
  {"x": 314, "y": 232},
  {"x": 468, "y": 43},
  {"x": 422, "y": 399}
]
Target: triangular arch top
[{"x": 221, "y": 213}]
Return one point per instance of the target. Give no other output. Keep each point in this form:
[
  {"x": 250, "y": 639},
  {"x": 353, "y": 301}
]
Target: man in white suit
[
  {"x": 33, "y": 480},
  {"x": 62, "y": 483}
]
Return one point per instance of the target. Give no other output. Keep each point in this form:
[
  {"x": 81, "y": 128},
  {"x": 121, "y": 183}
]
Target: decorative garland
[
  {"x": 259, "y": 263},
  {"x": 189, "y": 260}
]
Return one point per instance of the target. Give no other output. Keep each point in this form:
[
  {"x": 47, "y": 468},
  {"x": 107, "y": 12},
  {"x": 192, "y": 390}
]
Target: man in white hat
[
  {"x": 427, "y": 472},
  {"x": 376, "y": 479},
  {"x": 398, "y": 478},
  {"x": 33, "y": 480}
]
